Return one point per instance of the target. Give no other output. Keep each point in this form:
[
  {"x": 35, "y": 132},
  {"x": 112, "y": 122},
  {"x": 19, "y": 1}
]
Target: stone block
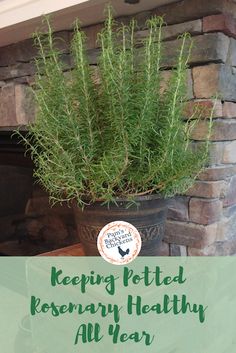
[
  {"x": 201, "y": 131},
  {"x": 173, "y": 31},
  {"x": 220, "y": 172},
  {"x": 25, "y": 51},
  {"x": 214, "y": 79},
  {"x": 205, "y": 108},
  {"x": 206, "y": 48},
  {"x": 227, "y": 83},
  {"x": 192, "y": 27},
  {"x": 165, "y": 82},
  {"x": 229, "y": 154},
  {"x": 26, "y": 80},
  {"x": 204, "y": 211},
  {"x": 25, "y": 104},
  {"x": 7, "y": 106},
  {"x": 231, "y": 59},
  {"x": 229, "y": 109},
  {"x": 178, "y": 208},
  {"x": 67, "y": 61},
  {"x": 17, "y": 105},
  {"x": 178, "y": 250},
  {"x": 190, "y": 234},
  {"x": 208, "y": 189},
  {"x": 222, "y": 130},
  {"x": 7, "y": 55},
  {"x": 91, "y": 33},
  {"x": 18, "y": 70},
  {"x": 219, "y": 248},
  {"x": 216, "y": 150},
  {"x": 212, "y": 47},
  {"x": 189, "y": 85},
  {"x": 93, "y": 56},
  {"x": 225, "y": 242},
  {"x": 205, "y": 80},
  {"x": 62, "y": 41},
  {"x": 230, "y": 195},
  {"x": 220, "y": 23}
]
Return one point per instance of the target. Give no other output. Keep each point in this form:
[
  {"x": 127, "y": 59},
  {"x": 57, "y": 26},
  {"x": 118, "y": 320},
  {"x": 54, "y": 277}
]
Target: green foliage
[{"x": 120, "y": 137}]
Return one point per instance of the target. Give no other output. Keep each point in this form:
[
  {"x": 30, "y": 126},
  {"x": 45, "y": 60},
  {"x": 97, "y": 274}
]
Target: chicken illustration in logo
[
  {"x": 119, "y": 242},
  {"x": 122, "y": 252}
]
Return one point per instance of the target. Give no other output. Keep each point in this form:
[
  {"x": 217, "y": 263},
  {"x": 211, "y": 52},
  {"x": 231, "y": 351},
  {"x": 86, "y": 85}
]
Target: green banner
[{"x": 167, "y": 305}]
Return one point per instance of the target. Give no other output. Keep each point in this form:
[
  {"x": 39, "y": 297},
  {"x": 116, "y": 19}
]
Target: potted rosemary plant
[{"x": 115, "y": 146}]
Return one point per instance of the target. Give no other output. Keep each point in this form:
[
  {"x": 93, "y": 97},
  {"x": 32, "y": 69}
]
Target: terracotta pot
[{"x": 148, "y": 215}]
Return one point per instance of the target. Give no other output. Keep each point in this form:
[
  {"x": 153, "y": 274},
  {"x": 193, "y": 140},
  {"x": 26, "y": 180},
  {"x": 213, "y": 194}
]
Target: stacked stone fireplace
[{"x": 203, "y": 222}]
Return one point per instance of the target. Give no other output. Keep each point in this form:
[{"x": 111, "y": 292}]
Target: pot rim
[
  {"x": 142, "y": 198},
  {"x": 138, "y": 198}
]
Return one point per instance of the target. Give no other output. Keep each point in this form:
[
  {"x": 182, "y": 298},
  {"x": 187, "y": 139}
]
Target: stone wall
[{"x": 203, "y": 222}]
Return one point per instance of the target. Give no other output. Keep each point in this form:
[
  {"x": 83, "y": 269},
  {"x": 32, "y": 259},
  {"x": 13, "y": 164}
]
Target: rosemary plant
[{"x": 120, "y": 137}]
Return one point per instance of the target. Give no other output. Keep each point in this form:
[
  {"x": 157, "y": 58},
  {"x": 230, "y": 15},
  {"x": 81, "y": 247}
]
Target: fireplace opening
[{"x": 28, "y": 224}]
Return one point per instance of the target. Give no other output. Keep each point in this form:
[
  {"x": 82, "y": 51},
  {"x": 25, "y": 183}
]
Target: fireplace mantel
[{"x": 20, "y": 18}]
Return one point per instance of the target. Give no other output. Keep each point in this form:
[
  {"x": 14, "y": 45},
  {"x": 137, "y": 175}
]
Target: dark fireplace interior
[{"x": 29, "y": 225}]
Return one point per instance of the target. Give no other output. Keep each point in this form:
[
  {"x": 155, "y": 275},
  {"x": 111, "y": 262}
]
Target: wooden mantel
[{"x": 20, "y": 18}]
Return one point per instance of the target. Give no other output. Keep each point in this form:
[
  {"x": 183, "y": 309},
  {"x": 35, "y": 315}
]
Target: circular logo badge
[{"x": 119, "y": 242}]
